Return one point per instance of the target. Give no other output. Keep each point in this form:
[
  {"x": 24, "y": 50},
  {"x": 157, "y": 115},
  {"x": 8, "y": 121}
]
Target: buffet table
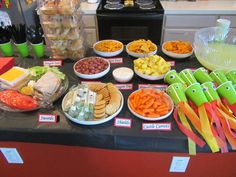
[{"x": 73, "y": 146}]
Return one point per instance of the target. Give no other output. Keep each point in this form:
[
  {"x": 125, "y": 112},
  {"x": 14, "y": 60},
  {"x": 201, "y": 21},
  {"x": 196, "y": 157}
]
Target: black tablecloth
[{"x": 24, "y": 127}]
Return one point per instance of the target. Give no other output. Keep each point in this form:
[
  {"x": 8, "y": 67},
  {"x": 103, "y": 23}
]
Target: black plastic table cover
[{"x": 24, "y": 127}]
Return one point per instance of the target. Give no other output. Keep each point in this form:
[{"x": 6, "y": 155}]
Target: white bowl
[
  {"x": 108, "y": 54},
  {"x": 148, "y": 77},
  {"x": 140, "y": 55},
  {"x": 154, "y": 118},
  {"x": 175, "y": 55},
  {"x": 93, "y": 122},
  {"x": 123, "y": 74},
  {"x": 92, "y": 76}
]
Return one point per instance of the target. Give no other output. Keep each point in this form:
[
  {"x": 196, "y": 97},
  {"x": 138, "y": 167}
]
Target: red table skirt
[{"x": 44, "y": 160}]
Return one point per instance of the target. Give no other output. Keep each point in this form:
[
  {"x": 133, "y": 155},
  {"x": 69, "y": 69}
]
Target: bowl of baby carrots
[
  {"x": 150, "y": 104},
  {"x": 177, "y": 49}
]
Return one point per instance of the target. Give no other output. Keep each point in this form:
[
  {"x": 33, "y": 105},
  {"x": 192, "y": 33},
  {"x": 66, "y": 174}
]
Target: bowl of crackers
[
  {"x": 108, "y": 48},
  {"x": 141, "y": 48},
  {"x": 93, "y": 103},
  {"x": 177, "y": 49}
]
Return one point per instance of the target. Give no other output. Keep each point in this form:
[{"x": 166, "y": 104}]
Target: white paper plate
[
  {"x": 95, "y": 122},
  {"x": 92, "y": 76},
  {"x": 175, "y": 55},
  {"x": 152, "y": 119},
  {"x": 108, "y": 54},
  {"x": 140, "y": 55},
  {"x": 148, "y": 77}
]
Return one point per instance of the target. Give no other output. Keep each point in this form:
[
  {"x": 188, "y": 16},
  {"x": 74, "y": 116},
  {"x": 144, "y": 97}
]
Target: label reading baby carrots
[{"x": 156, "y": 126}]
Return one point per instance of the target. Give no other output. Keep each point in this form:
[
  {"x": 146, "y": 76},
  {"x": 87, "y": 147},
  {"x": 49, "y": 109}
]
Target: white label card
[
  {"x": 12, "y": 156},
  {"x": 155, "y": 86},
  {"x": 124, "y": 86},
  {"x": 172, "y": 63},
  {"x": 52, "y": 63},
  {"x": 115, "y": 60},
  {"x": 179, "y": 164},
  {"x": 47, "y": 118},
  {"x": 156, "y": 126},
  {"x": 123, "y": 122}
]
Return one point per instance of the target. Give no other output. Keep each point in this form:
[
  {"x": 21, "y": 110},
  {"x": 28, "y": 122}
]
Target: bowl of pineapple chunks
[{"x": 153, "y": 67}]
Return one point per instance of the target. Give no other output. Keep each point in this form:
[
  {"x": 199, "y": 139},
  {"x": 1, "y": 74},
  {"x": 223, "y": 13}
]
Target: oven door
[{"x": 129, "y": 27}]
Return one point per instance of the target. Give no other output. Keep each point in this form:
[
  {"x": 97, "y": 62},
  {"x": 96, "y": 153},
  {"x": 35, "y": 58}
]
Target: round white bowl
[
  {"x": 108, "y": 54},
  {"x": 154, "y": 118},
  {"x": 140, "y": 55},
  {"x": 175, "y": 55},
  {"x": 125, "y": 78},
  {"x": 148, "y": 77},
  {"x": 92, "y": 76},
  {"x": 93, "y": 122}
]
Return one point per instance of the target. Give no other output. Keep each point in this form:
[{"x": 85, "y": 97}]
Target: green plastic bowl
[{"x": 215, "y": 50}]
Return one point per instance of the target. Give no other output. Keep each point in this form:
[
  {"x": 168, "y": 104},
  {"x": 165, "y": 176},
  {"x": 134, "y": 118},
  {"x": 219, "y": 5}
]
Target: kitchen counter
[
  {"x": 89, "y": 8},
  {"x": 182, "y": 7},
  {"x": 199, "y": 7}
]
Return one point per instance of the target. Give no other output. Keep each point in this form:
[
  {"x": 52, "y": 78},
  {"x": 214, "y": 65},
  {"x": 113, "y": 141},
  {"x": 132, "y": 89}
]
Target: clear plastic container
[
  {"x": 53, "y": 7},
  {"x": 58, "y": 20},
  {"x": 213, "y": 53}
]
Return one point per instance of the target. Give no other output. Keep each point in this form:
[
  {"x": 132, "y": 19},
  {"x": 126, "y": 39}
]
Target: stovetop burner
[
  {"x": 147, "y": 7},
  {"x": 144, "y": 2},
  {"x": 113, "y": 1},
  {"x": 139, "y": 6},
  {"x": 114, "y": 6}
]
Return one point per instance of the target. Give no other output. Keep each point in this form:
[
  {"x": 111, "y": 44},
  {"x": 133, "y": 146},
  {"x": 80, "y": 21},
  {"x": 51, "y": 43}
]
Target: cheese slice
[{"x": 14, "y": 75}]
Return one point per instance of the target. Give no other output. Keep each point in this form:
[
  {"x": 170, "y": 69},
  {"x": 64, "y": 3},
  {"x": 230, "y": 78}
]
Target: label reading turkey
[
  {"x": 155, "y": 86},
  {"x": 172, "y": 63},
  {"x": 115, "y": 60},
  {"x": 123, "y": 122},
  {"x": 52, "y": 63},
  {"x": 156, "y": 126},
  {"x": 47, "y": 118},
  {"x": 124, "y": 86}
]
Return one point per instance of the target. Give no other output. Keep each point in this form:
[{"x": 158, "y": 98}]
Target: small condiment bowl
[{"x": 123, "y": 74}]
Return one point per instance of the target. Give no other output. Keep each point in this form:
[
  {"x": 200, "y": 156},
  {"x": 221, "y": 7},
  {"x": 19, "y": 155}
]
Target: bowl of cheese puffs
[
  {"x": 141, "y": 48},
  {"x": 108, "y": 48},
  {"x": 177, "y": 49}
]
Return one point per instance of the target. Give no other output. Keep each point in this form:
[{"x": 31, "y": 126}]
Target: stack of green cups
[
  {"x": 38, "y": 49},
  {"x": 218, "y": 76},
  {"x": 7, "y": 49},
  {"x": 172, "y": 77},
  {"x": 227, "y": 91},
  {"x": 23, "y": 49},
  {"x": 187, "y": 76},
  {"x": 210, "y": 91},
  {"x": 176, "y": 92},
  {"x": 202, "y": 76}
]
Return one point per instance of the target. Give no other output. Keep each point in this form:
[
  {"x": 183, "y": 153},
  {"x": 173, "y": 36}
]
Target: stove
[
  {"x": 128, "y": 20},
  {"x": 130, "y": 6}
]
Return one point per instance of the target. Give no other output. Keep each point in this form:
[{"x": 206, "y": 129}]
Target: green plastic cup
[
  {"x": 176, "y": 92},
  {"x": 227, "y": 91},
  {"x": 23, "y": 49},
  {"x": 172, "y": 77},
  {"x": 38, "y": 49},
  {"x": 195, "y": 93},
  {"x": 7, "y": 49},
  {"x": 187, "y": 76},
  {"x": 202, "y": 76},
  {"x": 210, "y": 91},
  {"x": 218, "y": 76},
  {"x": 231, "y": 75}
]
